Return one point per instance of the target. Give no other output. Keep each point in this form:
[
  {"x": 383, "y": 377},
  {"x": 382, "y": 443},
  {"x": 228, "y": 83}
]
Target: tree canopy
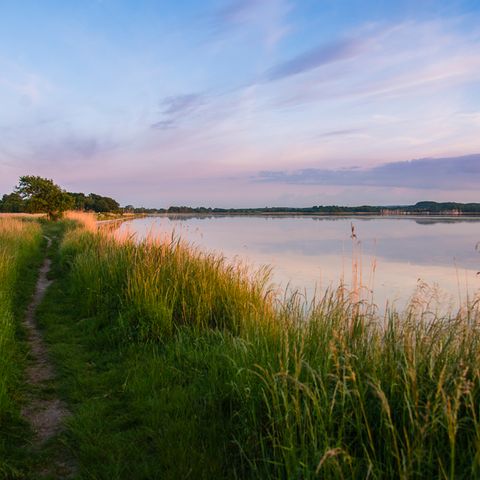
[
  {"x": 35, "y": 194},
  {"x": 41, "y": 195},
  {"x": 12, "y": 202},
  {"x": 94, "y": 202}
]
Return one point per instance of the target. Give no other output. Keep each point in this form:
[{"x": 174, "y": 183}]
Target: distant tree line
[
  {"x": 94, "y": 202},
  {"x": 418, "y": 208},
  {"x": 132, "y": 209},
  {"x": 435, "y": 207}
]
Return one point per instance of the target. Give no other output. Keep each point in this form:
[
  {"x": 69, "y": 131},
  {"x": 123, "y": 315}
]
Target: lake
[{"x": 391, "y": 259}]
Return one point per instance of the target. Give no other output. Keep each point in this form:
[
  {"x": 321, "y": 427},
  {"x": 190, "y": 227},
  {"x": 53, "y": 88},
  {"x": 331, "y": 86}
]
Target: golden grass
[
  {"x": 87, "y": 219},
  {"x": 23, "y": 215},
  {"x": 11, "y": 226}
]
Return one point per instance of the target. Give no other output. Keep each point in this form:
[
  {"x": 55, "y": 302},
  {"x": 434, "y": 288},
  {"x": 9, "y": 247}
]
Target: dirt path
[{"x": 44, "y": 411}]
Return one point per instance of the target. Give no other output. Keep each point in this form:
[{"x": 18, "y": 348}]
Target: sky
[{"x": 231, "y": 103}]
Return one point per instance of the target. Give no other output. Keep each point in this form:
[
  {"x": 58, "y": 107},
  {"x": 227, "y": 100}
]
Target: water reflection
[{"x": 395, "y": 255}]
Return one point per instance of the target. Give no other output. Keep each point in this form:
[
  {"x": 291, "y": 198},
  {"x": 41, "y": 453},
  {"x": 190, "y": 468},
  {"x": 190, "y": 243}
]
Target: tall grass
[
  {"x": 19, "y": 246},
  {"x": 86, "y": 219},
  {"x": 325, "y": 390},
  {"x": 153, "y": 288}
]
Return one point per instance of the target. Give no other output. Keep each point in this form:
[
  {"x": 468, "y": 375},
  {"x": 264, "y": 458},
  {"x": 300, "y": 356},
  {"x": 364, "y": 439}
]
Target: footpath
[{"x": 43, "y": 409}]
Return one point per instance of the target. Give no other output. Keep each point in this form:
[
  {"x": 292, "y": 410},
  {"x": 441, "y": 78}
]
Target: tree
[
  {"x": 79, "y": 200},
  {"x": 98, "y": 203},
  {"x": 43, "y": 196},
  {"x": 12, "y": 203}
]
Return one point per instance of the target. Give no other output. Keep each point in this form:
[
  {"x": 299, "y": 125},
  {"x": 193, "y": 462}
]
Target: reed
[
  {"x": 325, "y": 390},
  {"x": 87, "y": 219},
  {"x": 152, "y": 288}
]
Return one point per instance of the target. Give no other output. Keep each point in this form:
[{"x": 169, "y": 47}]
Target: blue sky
[{"x": 243, "y": 102}]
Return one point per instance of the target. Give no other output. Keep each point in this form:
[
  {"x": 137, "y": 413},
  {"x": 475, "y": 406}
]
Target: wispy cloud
[
  {"x": 66, "y": 152},
  {"x": 164, "y": 124},
  {"x": 31, "y": 88},
  {"x": 322, "y": 55},
  {"x": 427, "y": 173},
  {"x": 181, "y": 104},
  {"x": 85, "y": 147},
  {"x": 239, "y": 10},
  {"x": 268, "y": 16},
  {"x": 391, "y": 61},
  {"x": 340, "y": 133},
  {"x": 175, "y": 108}
]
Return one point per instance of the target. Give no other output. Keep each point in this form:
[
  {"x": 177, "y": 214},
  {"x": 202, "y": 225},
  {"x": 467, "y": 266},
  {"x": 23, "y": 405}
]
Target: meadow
[
  {"x": 20, "y": 244},
  {"x": 176, "y": 364}
]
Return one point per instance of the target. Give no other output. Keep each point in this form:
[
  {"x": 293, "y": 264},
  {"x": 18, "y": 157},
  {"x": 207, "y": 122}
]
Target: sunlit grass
[
  {"x": 153, "y": 288},
  {"x": 22, "y": 215},
  {"x": 87, "y": 219}
]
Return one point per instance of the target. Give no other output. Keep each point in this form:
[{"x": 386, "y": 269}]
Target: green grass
[
  {"x": 178, "y": 365},
  {"x": 135, "y": 416},
  {"x": 20, "y": 256}
]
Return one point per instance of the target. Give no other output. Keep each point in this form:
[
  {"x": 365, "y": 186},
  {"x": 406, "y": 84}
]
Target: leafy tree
[
  {"x": 98, "y": 203},
  {"x": 12, "y": 203},
  {"x": 79, "y": 200},
  {"x": 94, "y": 202},
  {"x": 42, "y": 195}
]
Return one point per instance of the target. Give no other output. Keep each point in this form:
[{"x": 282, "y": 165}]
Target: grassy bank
[
  {"x": 20, "y": 254},
  {"x": 106, "y": 216},
  {"x": 177, "y": 365}
]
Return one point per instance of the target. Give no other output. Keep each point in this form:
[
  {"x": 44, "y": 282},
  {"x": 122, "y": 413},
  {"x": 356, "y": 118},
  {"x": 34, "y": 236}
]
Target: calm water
[{"x": 395, "y": 256}]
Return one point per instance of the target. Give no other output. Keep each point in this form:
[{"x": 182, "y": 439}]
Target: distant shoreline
[
  {"x": 424, "y": 208},
  {"x": 314, "y": 214}
]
